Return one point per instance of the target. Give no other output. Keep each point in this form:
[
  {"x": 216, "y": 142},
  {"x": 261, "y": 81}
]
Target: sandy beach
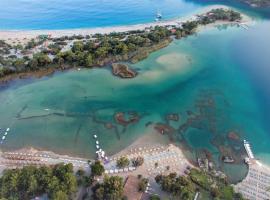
[
  {"x": 151, "y": 145},
  {"x": 24, "y": 35}
]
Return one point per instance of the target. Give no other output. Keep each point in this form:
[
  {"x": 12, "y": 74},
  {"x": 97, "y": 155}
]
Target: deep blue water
[{"x": 56, "y": 14}]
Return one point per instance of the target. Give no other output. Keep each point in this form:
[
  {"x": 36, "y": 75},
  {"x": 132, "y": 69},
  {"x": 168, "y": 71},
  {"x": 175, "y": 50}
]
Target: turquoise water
[
  {"x": 55, "y": 14},
  {"x": 219, "y": 76},
  {"x": 173, "y": 80}
]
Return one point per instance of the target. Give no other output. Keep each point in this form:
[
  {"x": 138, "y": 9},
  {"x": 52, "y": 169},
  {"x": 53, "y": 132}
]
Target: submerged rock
[
  {"x": 123, "y": 71},
  {"x": 233, "y": 136},
  {"x": 121, "y": 119},
  {"x": 172, "y": 117}
]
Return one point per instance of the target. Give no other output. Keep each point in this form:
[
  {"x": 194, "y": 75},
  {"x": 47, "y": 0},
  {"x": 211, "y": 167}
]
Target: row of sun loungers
[
  {"x": 28, "y": 154},
  {"x": 145, "y": 149},
  {"x": 17, "y": 157},
  {"x": 116, "y": 171},
  {"x": 21, "y": 162}
]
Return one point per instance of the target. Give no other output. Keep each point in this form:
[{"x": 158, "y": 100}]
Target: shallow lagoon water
[
  {"x": 227, "y": 65},
  {"x": 61, "y": 112}
]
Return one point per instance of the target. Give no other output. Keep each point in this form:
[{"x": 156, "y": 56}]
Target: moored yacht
[{"x": 158, "y": 16}]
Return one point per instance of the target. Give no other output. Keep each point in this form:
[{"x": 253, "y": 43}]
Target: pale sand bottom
[{"x": 171, "y": 63}]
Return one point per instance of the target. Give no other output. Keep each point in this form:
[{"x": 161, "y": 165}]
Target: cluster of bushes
[
  {"x": 142, "y": 186},
  {"x": 186, "y": 186},
  {"x": 136, "y": 162},
  {"x": 179, "y": 186},
  {"x": 122, "y": 162},
  {"x": 220, "y": 14},
  {"x": 58, "y": 182},
  {"x": 201, "y": 178},
  {"x": 112, "y": 188},
  {"x": 218, "y": 187},
  {"x": 4, "y": 47},
  {"x": 97, "y": 169}
]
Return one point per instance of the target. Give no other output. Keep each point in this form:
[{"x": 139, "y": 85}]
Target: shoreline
[
  {"x": 22, "y": 35},
  {"x": 35, "y": 156}
]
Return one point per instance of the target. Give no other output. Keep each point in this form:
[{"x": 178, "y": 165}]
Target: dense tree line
[{"x": 58, "y": 182}]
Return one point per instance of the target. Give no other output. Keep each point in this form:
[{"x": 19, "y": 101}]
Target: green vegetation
[
  {"x": 136, "y": 162},
  {"x": 97, "y": 169},
  {"x": 201, "y": 178},
  {"x": 178, "y": 186},
  {"x": 197, "y": 180},
  {"x": 26, "y": 183},
  {"x": 218, "y": 187},
  {"x": 154, "y": 197},
  {"x": 111, "y": 189},
  {"x": 143, "y": 184},
  {"x": 83, "y": 180},
  {"x": 98, "y": 50},
  {"x": 122, "y": 162},
  {"x": 219, "y": 14}
]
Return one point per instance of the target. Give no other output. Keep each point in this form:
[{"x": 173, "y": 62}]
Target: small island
[{"x": 123, "y": 71}]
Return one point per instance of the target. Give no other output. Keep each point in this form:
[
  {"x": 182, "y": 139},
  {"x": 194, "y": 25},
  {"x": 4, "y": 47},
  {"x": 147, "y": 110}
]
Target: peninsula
[{"x": 24, "y": 53}]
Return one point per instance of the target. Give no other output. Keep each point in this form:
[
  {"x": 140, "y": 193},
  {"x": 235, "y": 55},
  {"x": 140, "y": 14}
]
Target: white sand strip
[{"x": 28, "y": 34}]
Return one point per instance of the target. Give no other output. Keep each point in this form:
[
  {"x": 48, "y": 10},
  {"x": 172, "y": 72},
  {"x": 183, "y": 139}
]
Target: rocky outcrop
[
  {"x": 125, "y": 119},
  {"x": 123, "y": 71}
]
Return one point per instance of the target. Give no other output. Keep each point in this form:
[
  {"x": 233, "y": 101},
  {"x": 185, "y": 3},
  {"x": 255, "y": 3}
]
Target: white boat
[
  {"x": 97, "y": 146},
  {"x": 46, "y": 109},
  {"x": 97, "y": 142},
  {"x": 5, "y": 133},
  {"x": 4, "y": 137},
  {"x": 95, "y": 136},
  {"x": 8, "y": 129},
  {"x": 158, "y": 16}
]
